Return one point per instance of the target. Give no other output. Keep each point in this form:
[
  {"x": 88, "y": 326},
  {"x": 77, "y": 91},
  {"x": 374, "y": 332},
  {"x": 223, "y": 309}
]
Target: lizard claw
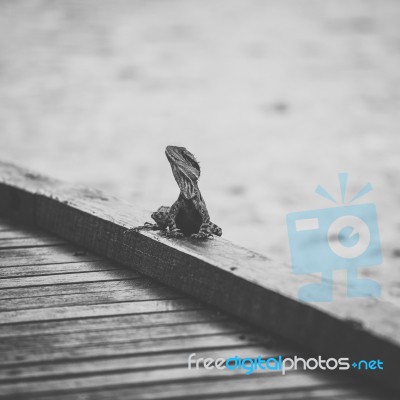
[
  {"x": 202, "y": 236},
  {"x": 174, "y": 234}
]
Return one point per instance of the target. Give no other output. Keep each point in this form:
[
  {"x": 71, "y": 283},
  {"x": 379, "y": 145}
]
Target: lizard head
[{"x": 185, "y": 168}]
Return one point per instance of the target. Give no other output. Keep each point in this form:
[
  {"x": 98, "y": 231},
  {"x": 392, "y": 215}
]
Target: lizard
[{"x": 188, "y": 215}]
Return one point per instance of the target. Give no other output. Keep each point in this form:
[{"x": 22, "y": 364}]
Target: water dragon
[{"x": 188, "y": 216}]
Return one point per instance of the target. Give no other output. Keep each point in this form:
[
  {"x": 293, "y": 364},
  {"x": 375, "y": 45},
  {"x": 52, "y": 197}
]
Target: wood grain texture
[
  {"x": 178, "y": 358},
  {"x": 44, "y": 255},
  {"x": 54, "y": 269},
  {"x": 68, "y": 341},
  {"x": 294, "y": 388},
  {"x": 88, "y": 310},
  {"x": 189, "y": 343},
  {"x": 12, "y": 243},
  {"x": 162, "y": 376},
  {"x": 234, "y": 279},
  {"x": 110, "y": 322},
  {"x": 136, "y": 293},
  {"x": 62, "y": 355},
  {"x": 94, "y": 282},
  {"x": 61, "y": 279},
  {"x": 86, "y": 347}
]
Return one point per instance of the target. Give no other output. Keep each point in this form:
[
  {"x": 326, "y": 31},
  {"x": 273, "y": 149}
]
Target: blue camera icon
[{"x": 324, "y": 240}]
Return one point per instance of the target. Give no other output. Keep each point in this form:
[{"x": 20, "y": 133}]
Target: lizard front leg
[
  {"x": 215, "y": 229},
  {"x": 205, "y": 231},
  {"x": 174, "y": 232},
  {"x": 160, "y": 217}
]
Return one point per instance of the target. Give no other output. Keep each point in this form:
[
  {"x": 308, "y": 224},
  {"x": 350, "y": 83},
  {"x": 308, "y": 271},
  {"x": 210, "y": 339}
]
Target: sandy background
[{"x": 273, "y": 97}]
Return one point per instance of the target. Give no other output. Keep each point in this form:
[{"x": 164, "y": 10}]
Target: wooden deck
[
  {"x": 75, "y": 326},
  {"x": 88, "y": 312}
]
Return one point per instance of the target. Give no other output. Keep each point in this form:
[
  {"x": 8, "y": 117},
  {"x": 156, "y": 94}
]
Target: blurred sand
[{"x": 273, "y": 97}]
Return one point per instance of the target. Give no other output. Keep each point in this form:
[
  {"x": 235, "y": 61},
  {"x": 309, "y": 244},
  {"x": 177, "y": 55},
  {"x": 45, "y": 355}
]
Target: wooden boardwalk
[
  {"x": 75, "y": 326},
  {"x": 89, "y": 312}
]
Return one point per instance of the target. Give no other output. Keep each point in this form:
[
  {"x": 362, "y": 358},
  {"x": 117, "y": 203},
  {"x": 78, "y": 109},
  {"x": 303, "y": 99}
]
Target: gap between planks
[
  {"x": 236, "y": 389},
  {"x": 142, "y": 379},
  {"x": 110, "y": 322}
]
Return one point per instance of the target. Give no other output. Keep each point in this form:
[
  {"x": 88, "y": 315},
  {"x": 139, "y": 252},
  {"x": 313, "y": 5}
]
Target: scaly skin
[{"x": 189, "y": 214}]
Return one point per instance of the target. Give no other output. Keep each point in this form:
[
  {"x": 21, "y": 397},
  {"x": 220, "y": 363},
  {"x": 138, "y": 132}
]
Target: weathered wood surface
[
  {"x": 69, "y": 288},
  {"x": 61, "y": 279},
  {"x": 19, "y": 243},
  {"x": 256, "y": 388},
  {"x": 131, "y": 339},
  {"x": 243, "y": 283},
  {"x": 197, "y": 314},
  {"x": 45, "y": 255},
  {"x": 54, "y": 269},
  {"x": 141, "y": 294}
]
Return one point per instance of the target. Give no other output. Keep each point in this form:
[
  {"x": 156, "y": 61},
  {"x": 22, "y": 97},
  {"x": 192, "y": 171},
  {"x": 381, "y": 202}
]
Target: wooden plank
[
  {"x": 17, "y": 373},
  {"x": 45, "y": 255},
  {"x": 70, "y": 288},
  {"x": 108, "y": 380},
  {"x": 109, "y": 322},
  {"x": 55, "y": 342},
  {"x": 25, "y": 233},
  {"x": 314, "y": 393},
  {"x": 258, "y": 388},
  {"x": 54, "y": 313},
  {"x": 247, "y": 390},
  {"x": 137, "y": 293},
  {"x": 230, "y": 277},
  {"x": 190, "y": 344},
  {"x": 163, "y": 376},
  {"x": 60, "y": 279},
  {"x": 54, "y": 269},
  {"x": 16, "y": 243}
]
